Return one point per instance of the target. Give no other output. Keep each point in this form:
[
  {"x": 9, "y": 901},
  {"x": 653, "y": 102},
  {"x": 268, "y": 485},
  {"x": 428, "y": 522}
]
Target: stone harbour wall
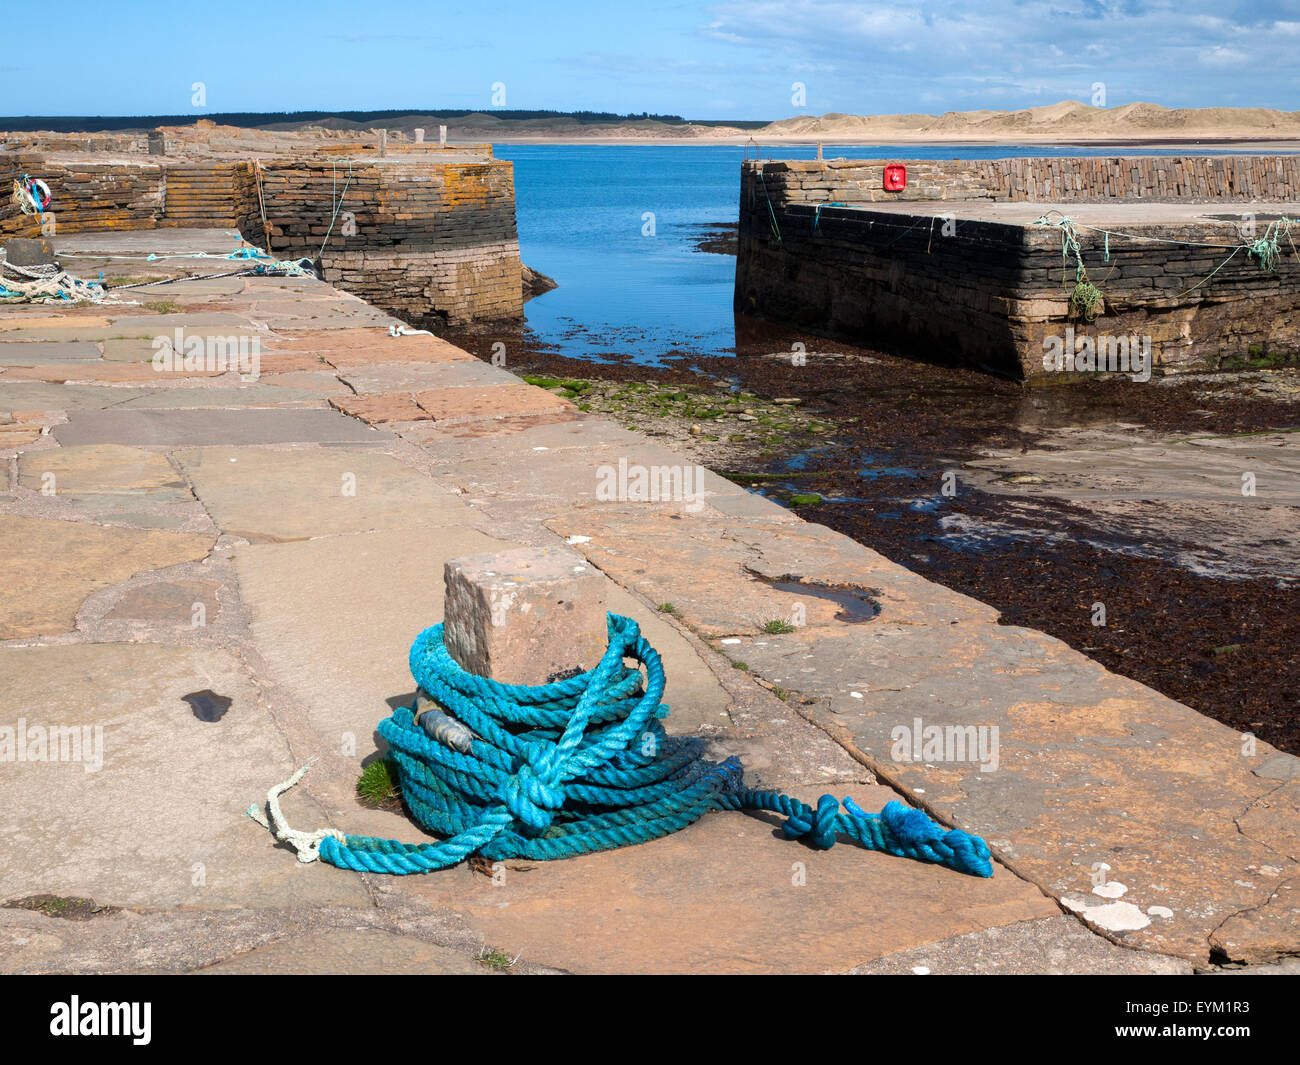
[
  {"x": 424, "y": 239},
  {"x": 413, "y": 235},
  {"x": 204, "y": 195},
  {"x": 1078, "y": 179},
  {"x": 85, "y": 195},
  {"x": 989, "y": 293}
]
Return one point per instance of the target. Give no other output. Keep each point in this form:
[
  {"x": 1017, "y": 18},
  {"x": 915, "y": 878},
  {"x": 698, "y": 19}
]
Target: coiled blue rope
[{"x": 582, "y": 765}]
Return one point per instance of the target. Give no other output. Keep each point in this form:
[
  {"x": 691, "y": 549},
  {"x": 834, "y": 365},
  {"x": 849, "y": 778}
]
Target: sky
[{"x": 722, "y": 60}]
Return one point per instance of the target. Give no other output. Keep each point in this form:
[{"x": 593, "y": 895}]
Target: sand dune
[{"x": 1069, "y": 118}]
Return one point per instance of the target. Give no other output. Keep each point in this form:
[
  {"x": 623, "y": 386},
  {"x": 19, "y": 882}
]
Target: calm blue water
[{"x": 581, "y": 211}]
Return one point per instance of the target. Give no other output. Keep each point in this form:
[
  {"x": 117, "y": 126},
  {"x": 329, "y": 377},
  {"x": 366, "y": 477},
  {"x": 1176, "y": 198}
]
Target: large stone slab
[
  {"x": 463, "y": 441},
  {"x": 1259, "y": 935},
  {"x": 33, "y": 353},
  {"x": 414, "y": 377},
  {"x": 160, "y": 821},
  {"x": 218, "y": 323},
  {"x": 85, "y": 371},
  {"x": 728, "y": 894},
  {"x": 103, "y": 469},
  {"x": 48, "y": 568},
  {"x": 1053, "y": 946},
  {"x": 494, "y": 401},
  {"x": 169, "y": 603},
  {"x": 247, "y": 395},
  {"x": 350, "y": 952},
  {"x": 378, "y": 408},
  {"x": 334, "y": 619},
  {"x": 142, "y": 346},
  {"x": 42, "y": 325},
  {"x": 730, "y": 577},
  {"x": 30, "y": 395},
  {"x": 350, "y": 347},
  {"x": 180, "y": 428},
  {"x": 1124, "y": 804},
  {"x": 267, "y": 494}
]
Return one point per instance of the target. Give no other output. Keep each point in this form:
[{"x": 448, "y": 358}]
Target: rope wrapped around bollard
[{"x": 580, "y": 765}]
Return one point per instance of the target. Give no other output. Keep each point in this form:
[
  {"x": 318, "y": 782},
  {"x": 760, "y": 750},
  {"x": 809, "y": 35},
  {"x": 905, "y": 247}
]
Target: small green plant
[
  {"x": 377, "y": 786},
  {"x": 163, "y": 306},
  {"x": 781, "y": 693},
  {"x": 740, "y": 665},
  {"x": 496, "y": 959},
  {"x": 777, "y": 627},
  {"x": 804, "y": 499},
  {"x": 667, "y": 608}
]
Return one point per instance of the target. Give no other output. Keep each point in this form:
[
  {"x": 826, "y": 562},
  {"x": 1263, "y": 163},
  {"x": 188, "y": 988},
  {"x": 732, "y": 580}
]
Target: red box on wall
[{"x": 895, "y": 178}]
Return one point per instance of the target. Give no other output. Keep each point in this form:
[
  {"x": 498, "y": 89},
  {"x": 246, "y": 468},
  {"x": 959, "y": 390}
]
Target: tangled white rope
[
  {"x": 57, "y": 286},
  {"x": 307, "y": 844}
]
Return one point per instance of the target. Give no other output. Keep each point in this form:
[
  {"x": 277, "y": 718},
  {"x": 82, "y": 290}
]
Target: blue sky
[{"x": 729, "y": 59}]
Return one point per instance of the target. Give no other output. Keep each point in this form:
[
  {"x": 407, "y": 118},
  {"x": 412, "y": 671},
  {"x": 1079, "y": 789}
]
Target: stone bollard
[
  {"x": 156, "y": 144},
  {"x": 419, "y": 135},
  {"x": 526, "y": 616},
  {"x": 442, "y": 135},
  {"x": 29, "y": 251}
]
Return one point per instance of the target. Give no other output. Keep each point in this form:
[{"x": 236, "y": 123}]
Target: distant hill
[
  {"x": 463, "y": 120},
  {"x": 1069, "y": 118}
]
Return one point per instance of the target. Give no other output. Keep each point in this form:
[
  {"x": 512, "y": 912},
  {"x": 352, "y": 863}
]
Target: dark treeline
[{"x": 254, "y": 119}]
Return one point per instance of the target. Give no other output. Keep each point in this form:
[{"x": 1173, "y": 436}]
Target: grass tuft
[{"x": 377, "y": 786}]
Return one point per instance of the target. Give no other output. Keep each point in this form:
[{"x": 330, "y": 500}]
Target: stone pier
[
  {"x": 421, "y": 231},
  {"x": 957, "y": 267},
  {"x": 279, "y": 542}
]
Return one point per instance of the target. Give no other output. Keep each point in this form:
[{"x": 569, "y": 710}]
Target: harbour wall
[{"x": 822, "y": 248}]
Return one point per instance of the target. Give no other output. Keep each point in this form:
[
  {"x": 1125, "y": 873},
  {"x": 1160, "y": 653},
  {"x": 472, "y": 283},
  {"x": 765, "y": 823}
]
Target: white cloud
[{"x": 1175, "y": 52}]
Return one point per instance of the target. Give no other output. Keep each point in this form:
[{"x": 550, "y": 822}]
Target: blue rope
[
  {"x": 583, "y": 765},
  {"x": 817, "y": 214}
]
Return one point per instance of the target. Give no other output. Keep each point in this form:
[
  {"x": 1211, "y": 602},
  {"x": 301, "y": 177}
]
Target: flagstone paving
[
  {"x": 48, "y": 568},
  {"x": 309, "y": 554},
  {"x": 158, "y": 822},
  {"x": 172, "y": 428},
  {"x": 103, "y": 469}
]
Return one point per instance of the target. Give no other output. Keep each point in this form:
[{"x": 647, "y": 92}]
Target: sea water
[{"x": 616, "y": 225}]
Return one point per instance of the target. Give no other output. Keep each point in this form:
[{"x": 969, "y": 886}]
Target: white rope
[
  {"x": 59, "y": 287},
  {"x": 25, "y": 199},
  {"x": 307, "y": 844},
  {"x": 403, "y": 331}
]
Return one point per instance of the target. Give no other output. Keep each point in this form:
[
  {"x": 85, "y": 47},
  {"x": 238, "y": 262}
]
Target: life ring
[{"x": 40, "y": 192}]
